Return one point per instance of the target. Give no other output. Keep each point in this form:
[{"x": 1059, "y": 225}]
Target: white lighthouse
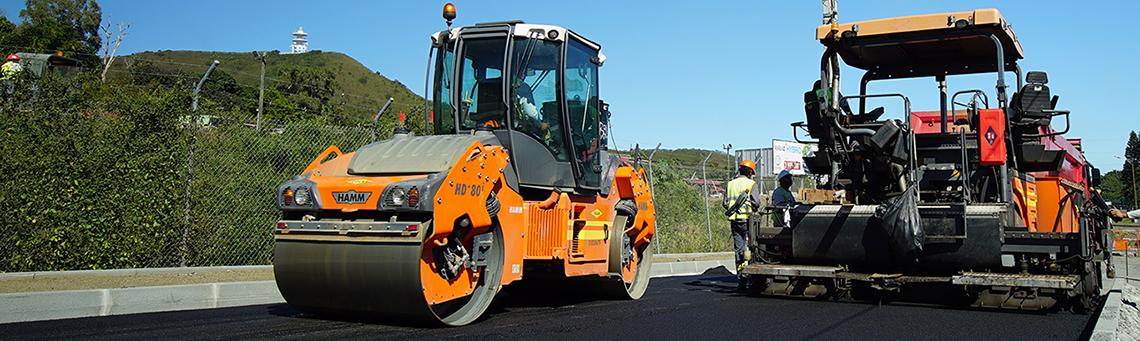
[{"x": 300, "y": 41}]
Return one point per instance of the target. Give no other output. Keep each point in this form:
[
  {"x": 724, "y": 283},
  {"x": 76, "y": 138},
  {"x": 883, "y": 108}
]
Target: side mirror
[{"x": 1095, "y": 179}]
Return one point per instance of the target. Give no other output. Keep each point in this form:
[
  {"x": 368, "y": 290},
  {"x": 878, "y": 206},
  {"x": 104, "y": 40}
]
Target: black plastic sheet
[{"x": 900, "y": 221}]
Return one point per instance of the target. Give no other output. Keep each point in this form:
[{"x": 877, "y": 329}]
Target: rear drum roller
[{"x": 629, "y": 265}]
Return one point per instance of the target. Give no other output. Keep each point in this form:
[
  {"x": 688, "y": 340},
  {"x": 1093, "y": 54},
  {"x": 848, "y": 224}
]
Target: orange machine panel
[
  {"x": 1025, "y": 196},
  {"x": 991, "y": 137},
  {"x": 1050, "y": 193},
  {"x": 546, "y": 230}
]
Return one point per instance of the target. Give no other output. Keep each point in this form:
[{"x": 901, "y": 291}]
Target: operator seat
[
  {"x": 1032, "y": 109},
  {"x": 490, "y": 102},
  {"x": 1033, "y": 103}
]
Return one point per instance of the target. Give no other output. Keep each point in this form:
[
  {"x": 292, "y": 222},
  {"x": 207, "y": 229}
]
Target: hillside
[{"x": 355, "y": 88}]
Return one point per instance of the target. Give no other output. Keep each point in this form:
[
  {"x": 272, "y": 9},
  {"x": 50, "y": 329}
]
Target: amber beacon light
[{"x": 449, "y": 13}]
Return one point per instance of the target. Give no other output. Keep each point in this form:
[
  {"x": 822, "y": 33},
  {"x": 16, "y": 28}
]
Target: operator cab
[{"x": 535, "y": 87}]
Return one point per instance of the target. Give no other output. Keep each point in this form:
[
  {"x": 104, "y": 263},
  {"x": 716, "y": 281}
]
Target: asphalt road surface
[{"x": 696, "y": 307}]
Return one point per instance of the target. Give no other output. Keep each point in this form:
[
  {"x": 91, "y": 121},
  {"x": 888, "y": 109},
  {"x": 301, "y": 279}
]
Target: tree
[
  {"x": 1132, "y": 156},
  {"x": 1112, "y": 188},
  {"x": 312, "y": 88},
  {"x": 7, "y": 32},
  {"x": 68, "y": 25},
  {"x": 111, "y": 42}
]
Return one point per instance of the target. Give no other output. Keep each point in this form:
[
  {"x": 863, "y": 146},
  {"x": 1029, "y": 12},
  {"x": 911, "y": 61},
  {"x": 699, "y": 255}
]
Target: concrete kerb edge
[
  {"x": 1109, "y": 319},
  {"x": 53, "y": 305},
  {"x": 133, "y": 272}
]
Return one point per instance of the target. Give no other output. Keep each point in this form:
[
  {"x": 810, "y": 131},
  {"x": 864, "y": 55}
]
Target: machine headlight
[
  {"x": 398, "y": 196},
  {"x": 301, "y": 196}
]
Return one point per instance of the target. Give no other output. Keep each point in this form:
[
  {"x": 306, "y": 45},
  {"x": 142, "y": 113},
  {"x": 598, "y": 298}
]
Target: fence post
[
  {"x": 705, "y": 187},
  {"x": 190, "y": 163},
  {"x": 657, "y": 239}
]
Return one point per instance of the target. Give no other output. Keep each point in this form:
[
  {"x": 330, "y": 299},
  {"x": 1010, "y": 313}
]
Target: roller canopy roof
[{"x": 924, "y": 45}]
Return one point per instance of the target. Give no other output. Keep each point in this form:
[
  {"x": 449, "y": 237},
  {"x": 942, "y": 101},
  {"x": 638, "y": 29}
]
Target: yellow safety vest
[
  {"x": 736, "y": 187},
  {"x": 9, "y": 70}
]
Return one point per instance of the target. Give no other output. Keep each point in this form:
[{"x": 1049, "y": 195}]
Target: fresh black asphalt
[{"x": 695, "y": 307}]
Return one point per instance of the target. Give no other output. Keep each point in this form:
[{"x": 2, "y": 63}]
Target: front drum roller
[{"x": 381, "y": 280}]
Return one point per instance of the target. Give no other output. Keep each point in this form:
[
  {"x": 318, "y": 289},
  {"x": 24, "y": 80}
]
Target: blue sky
[{"x": 691, "y": 74}]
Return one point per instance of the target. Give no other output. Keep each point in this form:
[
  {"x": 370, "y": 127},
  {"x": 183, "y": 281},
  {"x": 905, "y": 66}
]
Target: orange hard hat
[
  {"x": 748, "y": 163},
  {"x": 13, "y": 57}
]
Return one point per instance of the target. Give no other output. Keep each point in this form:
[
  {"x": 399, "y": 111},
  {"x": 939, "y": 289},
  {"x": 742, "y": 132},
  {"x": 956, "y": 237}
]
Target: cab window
[
  {"x": 442, "y": 111},
  {"x": 481, "y": 83},
  {"x": 581, "y": 90},
  {"x": 535, "y": 96}
]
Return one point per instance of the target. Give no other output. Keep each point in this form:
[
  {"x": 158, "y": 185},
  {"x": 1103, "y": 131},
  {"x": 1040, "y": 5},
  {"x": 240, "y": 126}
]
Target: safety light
[
  {"x": 413, "y": 196},
  {"x": 449, "y": 13},
  {"x": 287, "y": 195},
  {"x": 301, "y": 196},
  {"x": 412, "y": 227},
  {"x": 281, "y": 225}
]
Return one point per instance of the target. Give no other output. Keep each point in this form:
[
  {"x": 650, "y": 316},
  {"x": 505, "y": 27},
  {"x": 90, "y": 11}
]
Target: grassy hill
[
  {"x": 358, "y": 90},
  {"x": 688, "y": 161}
]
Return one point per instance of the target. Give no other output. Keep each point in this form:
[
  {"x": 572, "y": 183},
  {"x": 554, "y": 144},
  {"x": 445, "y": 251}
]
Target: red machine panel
[{"x": 991, "y": 137}]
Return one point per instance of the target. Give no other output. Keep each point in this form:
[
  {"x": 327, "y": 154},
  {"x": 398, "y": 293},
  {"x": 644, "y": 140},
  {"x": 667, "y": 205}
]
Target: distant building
[{"x": 300, "y": 41}]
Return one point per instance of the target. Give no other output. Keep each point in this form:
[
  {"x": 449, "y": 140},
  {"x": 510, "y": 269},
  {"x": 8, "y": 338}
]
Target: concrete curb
[
  {"x": 53, "y": 305},
  {"x": 1109, "y": 319}
]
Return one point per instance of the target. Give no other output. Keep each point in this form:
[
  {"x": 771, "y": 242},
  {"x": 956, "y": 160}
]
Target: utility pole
[
  {"x": 260, "y": 55},
  {"x": 731, "y": 159}
]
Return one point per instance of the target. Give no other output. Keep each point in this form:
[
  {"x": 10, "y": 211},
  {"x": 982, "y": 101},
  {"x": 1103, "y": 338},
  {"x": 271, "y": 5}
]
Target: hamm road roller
[
  {"x": 515, "y": 181},
  {"x": 984, "y": 195}
]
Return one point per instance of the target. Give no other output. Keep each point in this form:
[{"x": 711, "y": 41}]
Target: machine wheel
[
  {"x": 1088, "y": 298},
  {"x": 629, "y": 264},
  {"x": 466, "y": 310}
]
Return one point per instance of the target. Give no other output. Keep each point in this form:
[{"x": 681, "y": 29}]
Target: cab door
[{"x": 582, "y": 113}]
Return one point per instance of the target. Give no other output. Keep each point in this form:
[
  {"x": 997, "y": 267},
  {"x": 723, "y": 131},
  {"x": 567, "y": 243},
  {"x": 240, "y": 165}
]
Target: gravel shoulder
[{"x": 79, "y": 280}]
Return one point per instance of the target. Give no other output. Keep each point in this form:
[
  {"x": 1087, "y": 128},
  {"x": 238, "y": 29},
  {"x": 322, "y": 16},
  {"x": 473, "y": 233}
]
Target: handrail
[
  {"x": 1054, "y": 113},
  {"x": 796, "y": 136},
  {"x": 977, "y": 93},
  {"x": 332, "y": 149}
]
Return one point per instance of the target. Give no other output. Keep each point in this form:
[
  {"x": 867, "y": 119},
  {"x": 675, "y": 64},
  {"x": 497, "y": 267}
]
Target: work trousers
[{"x": 740, "y": 240}]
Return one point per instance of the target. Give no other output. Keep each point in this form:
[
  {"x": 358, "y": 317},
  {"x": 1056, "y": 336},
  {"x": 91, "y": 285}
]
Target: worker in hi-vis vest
[{"x": 740, "y": 201}]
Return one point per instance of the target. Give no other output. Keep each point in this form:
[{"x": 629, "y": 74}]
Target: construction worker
[
  {"x": 11, "y": 67},
  {"x": 741, "y": 199},
  {"x": 9, "y": 71},
  {"x": 783, "y": 200}
]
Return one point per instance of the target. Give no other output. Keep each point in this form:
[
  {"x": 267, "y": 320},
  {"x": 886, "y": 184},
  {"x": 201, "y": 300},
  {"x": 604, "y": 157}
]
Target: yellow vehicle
[{"x": 515, "y": 183}]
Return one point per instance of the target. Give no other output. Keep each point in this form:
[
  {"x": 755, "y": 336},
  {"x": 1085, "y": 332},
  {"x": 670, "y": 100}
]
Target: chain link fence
[
  {"x": 120, "y": 173},
  {"x": 689, "y": 203},
  {"x": 234, "y": 172}
]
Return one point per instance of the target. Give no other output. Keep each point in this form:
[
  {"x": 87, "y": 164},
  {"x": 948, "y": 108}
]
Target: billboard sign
[{"x": 789, "y": 156}]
